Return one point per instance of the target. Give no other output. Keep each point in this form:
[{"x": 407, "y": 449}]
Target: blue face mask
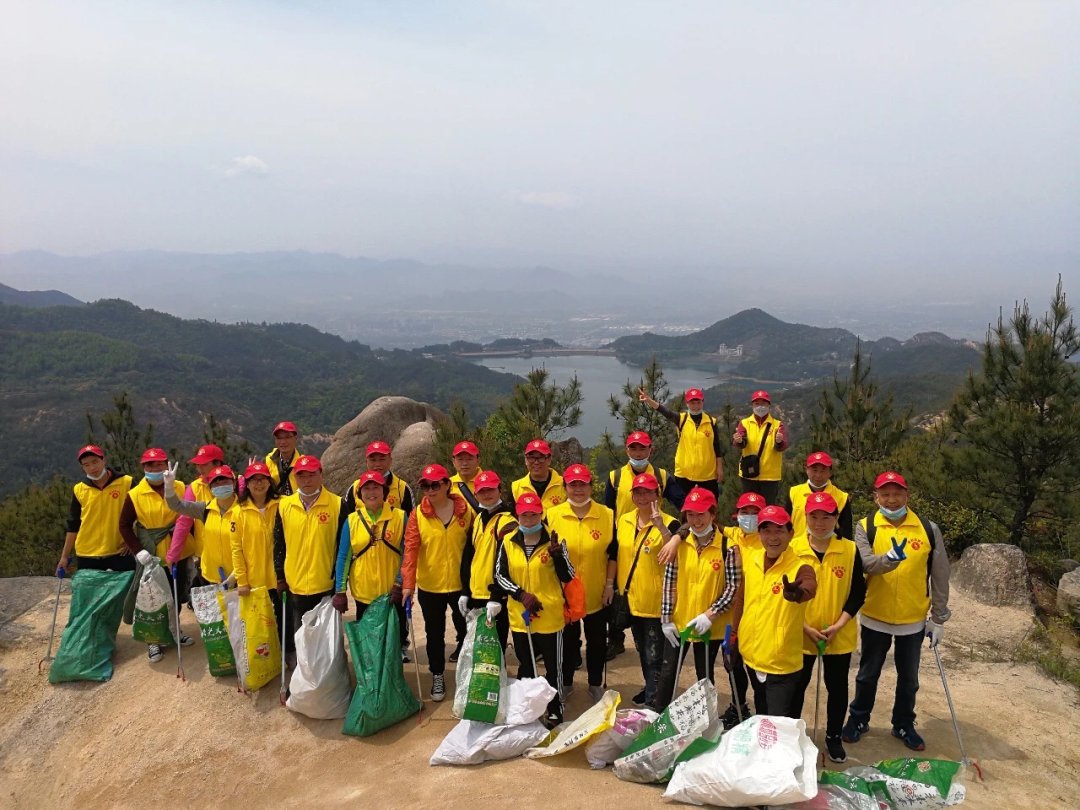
[
  {"x": 155, "y": 477},
  {"x": 531, "y": 529},
  {"x": 893, "y": 514},
  {"x": 639, "y": 464},
  {"x": 222, "y": 492},
  {"x": 748, "y": 523}
]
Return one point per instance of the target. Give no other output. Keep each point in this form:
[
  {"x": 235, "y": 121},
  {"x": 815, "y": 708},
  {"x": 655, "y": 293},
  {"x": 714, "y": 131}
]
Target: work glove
[
  {"x": 792, "y": 591},
  {"x": 463, "y": 605},
  {"x": 340, "y": 602},
  {"x": 531, "y": 603},
  {"x": 169, "y": 477},
  {"x": 935, "y": 632},
  {"x": 493, "y": 610},
  {"x": 671, "y": 633},
  {"x": 395, "y": 594},
  {"x": 896, "y": 553},
  {"x": 701, "y": 624},
  {"x": 145, "y": 558},
  {"x": 553, "y": 546}
]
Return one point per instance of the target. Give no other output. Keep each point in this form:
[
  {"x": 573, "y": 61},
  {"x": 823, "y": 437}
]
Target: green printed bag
[
  {"x": 153, "y": 621},
  {"x": 480, "y": 692},
  {"x": 215, "y": 636}
]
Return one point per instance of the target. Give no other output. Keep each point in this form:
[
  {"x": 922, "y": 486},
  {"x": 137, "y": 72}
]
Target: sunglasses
[{"x": 427, "y": 486}]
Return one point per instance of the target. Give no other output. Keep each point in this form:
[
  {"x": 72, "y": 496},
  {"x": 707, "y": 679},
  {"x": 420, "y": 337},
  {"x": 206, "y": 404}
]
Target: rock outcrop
[{"x": 995, "y": 574}]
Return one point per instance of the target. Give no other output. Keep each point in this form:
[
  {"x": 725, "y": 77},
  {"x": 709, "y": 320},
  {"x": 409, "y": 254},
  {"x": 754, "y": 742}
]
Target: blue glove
[{"x": 896, "y": 553}]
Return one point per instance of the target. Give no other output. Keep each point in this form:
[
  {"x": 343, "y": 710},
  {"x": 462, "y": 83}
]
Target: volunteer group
[{"x": 559, "y": 573}]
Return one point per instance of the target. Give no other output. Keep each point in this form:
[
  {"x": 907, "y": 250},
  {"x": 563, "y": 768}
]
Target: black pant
[
  {"x": 434, "y": 607},
  {"x": 769, "y": 490},
  {"x": 776, "y": 696},
  {"x": 548, "y": 645},
  {"x": 403, "y": 626},
  {"x": 704, "y": 665},
  {"x": 687, "y": 484},
  {"x": 875, "y": 646},
  {"x": 595, "y": 647},
  {"x": 835, "y": 674},
  {"x": 502, "y": 621},
  {"x": 298, "y": 605},
  {"x": 114, "y": 562},
  {"x": 650, "y": 642}
]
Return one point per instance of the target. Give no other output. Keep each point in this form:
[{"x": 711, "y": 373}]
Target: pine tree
[
  {"x": 236, "y": 453},
  {"x": 120, "y": 437},
  {"x": 636, "y": 415},
  {"x": 538, "y": 409}
]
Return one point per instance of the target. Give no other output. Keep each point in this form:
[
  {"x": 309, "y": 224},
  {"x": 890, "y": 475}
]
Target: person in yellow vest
[
  {"x": 762, "y": 439},
  {"x": 830, "y": 614},
  {"x": 700, "y": 584},
  {"x": 745, "y": 531},
  {"x": 585, "y": 526},
  {"x": 282, "y": 459},
  {"x": 493, "y": 524},
  {"x": 93, "y": 522},
  {"x": 545, "y": 482},
  {"x": 146, "y": 522},
  {"x": 641, "y": 534},
  {"x": 253, "y": 545},
  {"x": 531, "y": 569},
  {"x": 466, "y": 460},
  {"x": 306, "y": 532},
  {"x": 217, "y": 521},
  {"x": 699, "y": 456},
  {"x": 907, "y": 571},
  {"x": 434, "y": 543},
  {"x": 206, "y": 458},
  {"x": 769, "y": 614},
  {"x": 378, "y": 457},
  {"x": 818, "y": 479}
]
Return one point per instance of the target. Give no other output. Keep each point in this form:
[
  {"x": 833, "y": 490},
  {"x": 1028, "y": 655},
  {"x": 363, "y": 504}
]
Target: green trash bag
[
  {"x": 381, "y": 698},
  {"x": 480, "y": 693},
  {"x": 86, "y": 647},
  {"x": 206, "y": 603}
]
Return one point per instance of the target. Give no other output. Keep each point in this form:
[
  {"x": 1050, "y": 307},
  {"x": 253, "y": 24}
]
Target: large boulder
[
  {"x": 1068, "y": 593},
  {"x": 409, "y": 427},
  {"x": 995, "y": 574}
]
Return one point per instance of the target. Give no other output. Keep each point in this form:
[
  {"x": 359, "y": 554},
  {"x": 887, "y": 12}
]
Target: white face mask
[
  {"x": 639, "y": 463},
  {"x": 701, "y": 532},
  {"x": 99, "y": 476},
  {"x": 491, "y": 507},
  {"x": 748, "y": 523},
  {"x": 694, "y": 411},
  {"x": 761, "y": 410},
  {"x": 311, "y": 494},
  {"x": 820, "y": 537},
  {"x": 814, "y": 487},
  {"x": 581, "y": 503}
]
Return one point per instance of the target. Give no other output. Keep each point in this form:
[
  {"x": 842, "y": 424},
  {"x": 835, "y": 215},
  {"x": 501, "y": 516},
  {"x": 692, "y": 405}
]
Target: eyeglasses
[{"x": 427, "y": 486}]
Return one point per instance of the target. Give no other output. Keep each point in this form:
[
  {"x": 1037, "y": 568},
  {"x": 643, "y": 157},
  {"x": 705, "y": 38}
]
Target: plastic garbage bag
[
  {"x": 596, "y": 719},
  {"x": 153, "y": 620},
  {"x": 215, "y": 636},
  {"x": 885, "y": 786},
  {"x": 320, "y": 685},
  {"x": 480, "y": 690},
  {"x": 527, "y": 700},
  {"x": 253, "y": 636},
  {"x": 88, "y": 640},
  {"x": 471, "y": 742},
  {"x": 609, "y": 746}
]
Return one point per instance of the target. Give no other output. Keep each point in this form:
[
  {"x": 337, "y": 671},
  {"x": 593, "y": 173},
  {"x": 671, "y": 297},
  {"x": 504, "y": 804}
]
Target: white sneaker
[
  {"x": 186, "y": 641},
  {"x": 438, "y": 688},
  {"x": 154, "y": 653}
]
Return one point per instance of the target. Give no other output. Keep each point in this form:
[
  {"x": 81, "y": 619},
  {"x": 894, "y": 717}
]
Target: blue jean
[
  {"x": 875, "y": 647},
  {"x": 649, "y": 640}
]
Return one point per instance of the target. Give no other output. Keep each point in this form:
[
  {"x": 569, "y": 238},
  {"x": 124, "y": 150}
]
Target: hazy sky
[{"x": 827, "y": 135}]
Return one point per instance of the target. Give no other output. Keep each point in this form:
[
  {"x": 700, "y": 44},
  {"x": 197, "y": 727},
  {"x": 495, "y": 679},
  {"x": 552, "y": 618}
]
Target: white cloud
[
  {"x": 248, "y": 164},
  {"x": 550, "y": 199}
]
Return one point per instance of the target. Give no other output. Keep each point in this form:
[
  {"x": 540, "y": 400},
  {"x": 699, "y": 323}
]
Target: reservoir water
[{"x": 600, "y": 376}]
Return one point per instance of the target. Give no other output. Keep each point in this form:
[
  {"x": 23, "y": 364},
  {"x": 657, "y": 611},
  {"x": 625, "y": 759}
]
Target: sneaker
[
  {"x": 153, "y": 652},
  {"x": 615, "y": 649},
  {"x": 730, "y": 717},
  {"x": 835, "y": 748},
  {"x": 595, "y": 693},
  {"x": 438, "y": 688},
  {"x": 910, "y": 737},
  {"x": 405, "y": 654},
  {"x": 567, "y": 691},
  {"x": 455, "y": 654},
  {"x": 551, "y": 720},
  {"x": 639, "y": 699},
  {"x": 186, "y": 641},
  {"x": 853, "y": 730}
]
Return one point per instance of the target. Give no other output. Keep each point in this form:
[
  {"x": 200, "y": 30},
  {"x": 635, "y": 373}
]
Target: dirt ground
[{"x": 146, "y": 736}]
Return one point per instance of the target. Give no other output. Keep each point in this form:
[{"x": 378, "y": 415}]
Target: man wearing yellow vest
[
  {"x": 770, "y": 611},
  {"x": 206, "y": 458},
  {"x": 830, "y": 614},
  {"x": 493, "y": 524},
  {"x": 531, "y": 569},
  {"x": 541, "y": 480},
  {"x": 93, "y": 522},
  {"x": 818, "y": 479},
  {"x": 378, "y": 457},
  {"x": 699, "y": 458},
  {"x": 466, "y": 460},
  {"x": 762, "y": 439},
  {"x": 283, "y": 457},
  {"x": 907, "y": 576}
]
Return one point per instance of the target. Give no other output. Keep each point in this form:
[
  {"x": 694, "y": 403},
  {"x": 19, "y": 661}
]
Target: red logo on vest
[
  {"x": 715, "y": 565},
  {"x": 916, "y": 544},
  {"x": 595, "y": 534},
  {"x": 323, "y": 517},
  {"x": 708, "y": 433},
  {"x": 461, "y": 522},
  {"x": 544, "y": 557},
  {"x": 555, "y": 499},
  {"x": 114, "y": 494},
  {"x": 776, "y": 587},
  {"x": 838, "y": 572}
]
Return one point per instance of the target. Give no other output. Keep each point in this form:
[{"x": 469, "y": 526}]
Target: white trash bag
[
  {"x": 527, "y": 700},
  {"x": 610, "y": 745},
  {"x": 320, "y": 687},
  {"x": 471, "y": 742}
]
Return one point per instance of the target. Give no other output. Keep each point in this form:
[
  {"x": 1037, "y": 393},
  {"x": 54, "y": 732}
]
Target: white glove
[
  {"x": 169, "y": 479},
  {"x": 671, "y": 633},
  {"x": 493, "y": 610},
  {"x": 935, "y": 632},
  {"x": 701, "y": 623},
  {"x": 145, "y": 558},
  {"x": 463, "y": 605}
]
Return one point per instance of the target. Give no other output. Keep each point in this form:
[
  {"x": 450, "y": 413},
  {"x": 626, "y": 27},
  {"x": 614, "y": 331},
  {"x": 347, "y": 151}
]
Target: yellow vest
[
  {"x": 772, "y": 461},
  {"x": 275, "y": 470},
  {"x": 537, "y": 576},
  {"x": 373, "y": 573},
  {"x": 215, "y": 535},
  {"x": 771, "y": 628},
  {"x": 587, "y": 540},
  {"x": 438, "y": 565},
  {"x": 901, "y": 596},
  {"x": 554, "y": 494},
  {"x": 647, "y": 585},
  {"x": 798, "y": 496},
  {"x": 699, "y": 584},
  {"x": 394, "y": 497},
  {"x": 253, "y": 546},
  {"x": 310, "y": 542},
  {"x": 462, "y": 484},
  {"x": 99, "y": 526},
  {"x": 744, "y": 541},
  {"x": 695, "y": 455},
  {"x": 486, "y": 542},
  {"x": 153, "y": 513},
  {"x": 200, "y": 491},
  {"x": 624, "y": 502},
  {"x": 834, "y": 572}
]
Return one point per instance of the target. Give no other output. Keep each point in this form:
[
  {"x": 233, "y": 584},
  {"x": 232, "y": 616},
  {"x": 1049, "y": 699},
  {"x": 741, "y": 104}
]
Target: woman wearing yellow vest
[
  {"x": 434, "y": 542},
  {"x": 770, "y": 608},
  {"x": 253, "y": 546},
  {"x": 493, "y": 523},
  {"x": 541, "y": 480},
  {"x": 745, "y": 531},
  {"x": 93, "y": 521},
  {"x": 830, "y": 614},
  {"x": 761, "y": 436},
  {"x": 699, "y": 458},
  {"x": 585, "y": 526},
  {"x": 217, "y": 521},
  {"x": 641, "y": 534},
  {"x": 531, "y": 569}
]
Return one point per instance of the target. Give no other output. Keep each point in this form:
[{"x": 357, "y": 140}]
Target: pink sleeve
[{"x": 181, "y": 530}]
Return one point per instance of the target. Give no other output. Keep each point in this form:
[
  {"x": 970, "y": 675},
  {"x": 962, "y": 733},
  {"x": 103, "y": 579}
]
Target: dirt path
[{"x": 145, "y": 736}]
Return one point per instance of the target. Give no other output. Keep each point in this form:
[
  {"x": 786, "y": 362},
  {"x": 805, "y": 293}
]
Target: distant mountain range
[{"x": 37, "y": 298}]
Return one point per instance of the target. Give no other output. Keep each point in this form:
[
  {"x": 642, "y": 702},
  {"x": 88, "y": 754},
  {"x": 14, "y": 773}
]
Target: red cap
[
  {"x": 153, "y": 454},
  {"x": 750, "y": 499},
  {"x": 577, "y": 472},
  {"x": 371, "y": 475},
  {"x": 434, "y": 472},
  {"x": 639, "y": 437},
  {"x": 224, "y": 471},
  {"x": 694, "y": 393},
  {"x": 90, "y": 450},
  {"x": 258, "y": 468},
  {"x": 529, "y": 502},
  {"x": 538, "y": 446},
  {"x": 307, "y": 464},
  {"x": 208, "y": 453},
  {"x": 286, "y": 426},
  {"x": 377, "y": 448},
  {"x": 774, "y": 514},
  {"x": 890, "y": 477},
  {"x": 819, "y": 458},
  {"x": 468, "y": 448},
  {"x": 644, "y": 481},
  {"x": 820, "y": 502},
  {"x": 488, "y": 479},
  {"x": 699, "y": 500},
  {"x": 761, "y": 395}
]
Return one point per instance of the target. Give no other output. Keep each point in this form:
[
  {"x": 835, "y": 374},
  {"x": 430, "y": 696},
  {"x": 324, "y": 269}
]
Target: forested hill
[
  {"x": 37, "y": 298},
  {"x": 58, "y": 363}
]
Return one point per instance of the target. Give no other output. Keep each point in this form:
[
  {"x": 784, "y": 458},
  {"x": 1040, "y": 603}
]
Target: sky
[{"x": 929, "y": 141}]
